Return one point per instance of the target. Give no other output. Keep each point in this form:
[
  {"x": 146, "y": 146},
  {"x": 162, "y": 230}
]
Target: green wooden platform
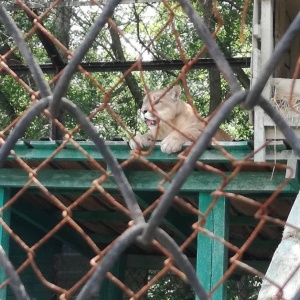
[{"x": 69, "y": 174}]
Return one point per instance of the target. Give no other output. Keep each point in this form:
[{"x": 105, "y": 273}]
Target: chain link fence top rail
[{"x": 146, "y": 228}]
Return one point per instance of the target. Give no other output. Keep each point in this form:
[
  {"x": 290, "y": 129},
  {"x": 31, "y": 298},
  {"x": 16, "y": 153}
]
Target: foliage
[
  {"x": 244, "y": 287},
  {"x": 148, "y": 29},
  {"x": 169, "y": 287}
]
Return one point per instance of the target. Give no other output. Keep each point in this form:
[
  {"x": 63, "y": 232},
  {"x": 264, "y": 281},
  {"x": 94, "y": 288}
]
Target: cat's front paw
[
  {"x": 140, "y": 141},
  {"x": 171, "y": 145}
]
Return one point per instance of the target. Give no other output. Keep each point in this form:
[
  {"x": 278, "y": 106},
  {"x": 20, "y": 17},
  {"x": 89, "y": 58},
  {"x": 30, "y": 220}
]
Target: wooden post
[
  {"x": 4, "y": 236},
  {"x": 212, "y": 257},
  {"x": 263, "y": 29}
]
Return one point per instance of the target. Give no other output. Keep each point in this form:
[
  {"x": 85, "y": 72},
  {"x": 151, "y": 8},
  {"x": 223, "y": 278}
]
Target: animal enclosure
[{"x": 85, "y": 217}]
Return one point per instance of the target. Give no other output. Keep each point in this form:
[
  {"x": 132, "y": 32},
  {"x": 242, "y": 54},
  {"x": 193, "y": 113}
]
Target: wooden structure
[
  {"x": 69, "y": 174},
  {"x": 271, "y": 18}
]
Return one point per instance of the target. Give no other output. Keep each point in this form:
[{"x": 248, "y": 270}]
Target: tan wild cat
[{"x": 168, "y": 106}]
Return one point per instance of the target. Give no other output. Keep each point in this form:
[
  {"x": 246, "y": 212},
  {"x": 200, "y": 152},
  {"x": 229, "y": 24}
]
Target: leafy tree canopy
[{"x": 153, "y": 31}]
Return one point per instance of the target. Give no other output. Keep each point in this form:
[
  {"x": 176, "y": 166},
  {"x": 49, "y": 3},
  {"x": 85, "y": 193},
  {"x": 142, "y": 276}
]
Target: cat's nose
[{"x": 144, "y": 110}]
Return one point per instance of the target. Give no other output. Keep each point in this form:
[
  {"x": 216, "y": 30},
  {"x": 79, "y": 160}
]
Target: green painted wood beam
[
  {"x": 245, "y": 182},
  {"x": 260, "y": 265},
  {"x": 102, "y": 216},
  {"x": 212, "y": 256},
  {"x": 257, "y": 244},
  {"x": 4, "y": 236},
  {"x": 150, "y": 262},
  {"x": 40, "y": 150},
  {"x": 248, "y": 221},
  {"x": 103, "y": 238}
]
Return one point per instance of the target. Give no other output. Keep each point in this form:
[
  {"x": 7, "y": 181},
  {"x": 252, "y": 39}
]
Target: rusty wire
[{"x": 148, "y": 233}]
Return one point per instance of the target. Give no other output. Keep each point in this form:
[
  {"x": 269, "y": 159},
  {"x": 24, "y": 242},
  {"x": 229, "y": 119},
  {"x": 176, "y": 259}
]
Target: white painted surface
[{"x": 285, "y": 265}]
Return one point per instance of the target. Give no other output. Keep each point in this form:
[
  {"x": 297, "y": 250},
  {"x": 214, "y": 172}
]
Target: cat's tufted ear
[{"x": 175, "y": 92}]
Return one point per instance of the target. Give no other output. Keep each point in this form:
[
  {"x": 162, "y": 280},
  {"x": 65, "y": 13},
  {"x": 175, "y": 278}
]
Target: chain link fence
[{"x": 90, "y": 197}]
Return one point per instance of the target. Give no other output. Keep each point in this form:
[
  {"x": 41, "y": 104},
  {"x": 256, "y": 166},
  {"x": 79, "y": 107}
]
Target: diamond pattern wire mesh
[
  {"x": 138, "y": 222},
  {"x": 243, "y": 287}
]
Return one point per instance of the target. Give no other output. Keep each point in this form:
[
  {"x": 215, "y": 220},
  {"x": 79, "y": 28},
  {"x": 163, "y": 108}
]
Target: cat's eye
[{"x": 155, "y": 100}]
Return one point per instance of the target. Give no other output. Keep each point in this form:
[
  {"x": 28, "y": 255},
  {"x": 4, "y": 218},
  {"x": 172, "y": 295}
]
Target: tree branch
[
  {"x": 242, "y": 77},
  {"x": 129, "y": 79}
]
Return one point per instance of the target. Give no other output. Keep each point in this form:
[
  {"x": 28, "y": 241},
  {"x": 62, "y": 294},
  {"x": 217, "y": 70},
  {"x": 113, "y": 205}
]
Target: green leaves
[{"x": 155, "y": 32}]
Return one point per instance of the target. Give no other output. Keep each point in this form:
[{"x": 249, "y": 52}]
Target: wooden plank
[
  {"x": 78, "y": 180},
  {"x": 271, "y": 133},
  {"x": 266, "y": 51},
  {"x": 281, "y": 24},
  {"x": 260, "y": 265},
  {"x": 267, "y": 43},
  {"x": 257, "y": 244},
  {"x": 259, "y": 134},
  {"x": 41, "y": 150},
  {"x": 255, "y": 69},
  {"x": 150, "y": 262},
  {"x": 212, "y": 257},
  {"x": 293, "y": 8},
  {"x": 248, "y": 221},
  {"x": 283, "y": 87},
  {"x": 36, "y": 151},
  {"x": 103, "y": 238},
  {"x": 103, "y": 216},
  {"x": 4, "y": 236}
]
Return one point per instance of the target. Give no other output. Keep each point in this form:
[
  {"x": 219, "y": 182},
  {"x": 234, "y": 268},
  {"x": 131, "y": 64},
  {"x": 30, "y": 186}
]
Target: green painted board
[
  {"x": 103, "y": 216},
  {"x": 39, "y": 150},
  {"x": 212, "y": 257},
  {"x": 4, "y": 236},
  {"x": 75, "y": 180}
]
